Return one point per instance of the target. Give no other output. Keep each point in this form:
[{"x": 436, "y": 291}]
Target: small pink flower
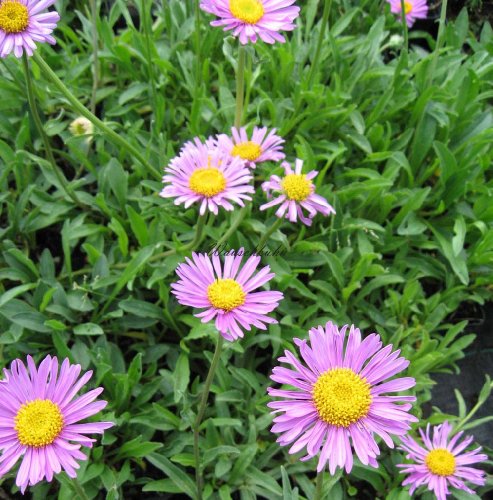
[
  {"x": 414, "y": 9},
  {"x": 226, "y": 292},
  {"x": 260, "y": 148},
  {"x": 253, "y": 19},
  {"x": 40, "y": 416},
  {"x": 297, "y": 192},
  {"x": 441, "y": 463},
  {"x": 22, "y": 23}
]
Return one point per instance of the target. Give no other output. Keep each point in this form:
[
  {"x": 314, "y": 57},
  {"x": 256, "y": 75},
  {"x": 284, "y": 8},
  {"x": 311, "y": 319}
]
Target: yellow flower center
[
  {"x": 226, "y": 294},
  {"x": 247, "y": 150},
  {"x": 207, "y": 182},
  {"x": 341, "y": 397},
  {"x": 38, "y": 423},
  {"x": 440, "y": 462},
  {"x": 296, "y": 187},
  {"x": 408, "y": 7},
  {"x": 14, "y": 17},
  {"x": 248, "y": 11}
]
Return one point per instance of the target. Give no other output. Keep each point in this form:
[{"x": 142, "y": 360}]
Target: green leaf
[
  {"x": 181, "y": 376},
  {"x": 88, "y": 329},
  {"x": 177, "y": 475},
  {"x": 137, "y": 448}
]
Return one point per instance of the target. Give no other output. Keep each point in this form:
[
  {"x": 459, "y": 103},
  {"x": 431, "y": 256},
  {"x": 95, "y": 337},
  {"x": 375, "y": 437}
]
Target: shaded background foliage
[{"x": 404, "y": 155}]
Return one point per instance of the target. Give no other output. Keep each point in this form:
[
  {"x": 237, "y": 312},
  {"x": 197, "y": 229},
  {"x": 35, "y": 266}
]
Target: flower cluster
[
  {"x": 218, "y": 172},
  {"x": 337, "y": 401},
  {"x": 339, "y": 397}
]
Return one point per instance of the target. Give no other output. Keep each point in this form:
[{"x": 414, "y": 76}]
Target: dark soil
[{"x": 477, "y": 363}]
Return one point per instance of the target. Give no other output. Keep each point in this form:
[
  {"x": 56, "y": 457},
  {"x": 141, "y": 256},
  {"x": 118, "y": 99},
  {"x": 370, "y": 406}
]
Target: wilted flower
[
  {"x": 207, "y": 176},
  {"x": 39, "y": 419},
  {"x": 297, "y": 192},
  {"x": 339, "y": 397},
  {"x": 441, "y": 463},
  {"x": 413, "y": 9},
  {"x": 227, "y": 293},
  {"x": 22, "y": 24},
  {"x": 260, "y": 148},
  {"x": 250, "y": 19},
  {"x": 82, "y": 126}
]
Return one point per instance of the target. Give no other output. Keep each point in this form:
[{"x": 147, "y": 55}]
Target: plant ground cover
[{"x": 402, "y": 142}]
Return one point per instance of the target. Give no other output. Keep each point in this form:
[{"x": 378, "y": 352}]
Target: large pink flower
[
  {"x": 22, "y": 23},
  {"x": 250, "y": 19},
  {"x": 227, "y": 293},
  {"x": 442, "y": 462},
  {"x": 339, "y": 397},
  {"x": 204, "y": 174},
  {"x": 39, "y": 419}
]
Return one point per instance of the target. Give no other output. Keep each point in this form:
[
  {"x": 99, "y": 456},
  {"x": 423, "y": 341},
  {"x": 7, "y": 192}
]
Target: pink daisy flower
[
  {"x": 414, "y": 9},
  {"x": 441, "y": 463},
  {"x": 297, "y": 191},
  {"x": 207, "y": 176},
  {"x": 250, "y": 19},
  {"x": 203, "y": 148},
  {"x": 39, "y": 419},
  {"x": 22, "y": 24},
  {"x": 227, "y": 293},
  {"x": 260, "y": 148},
  {"x": 339, "y": 397}
]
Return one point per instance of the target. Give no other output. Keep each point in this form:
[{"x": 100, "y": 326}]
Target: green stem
[
  {"x": 468, "y": 417},
  {"x": 318, "y": 486},
  {"x": 117, "y": 139},
  {"x": 321, "y": 36},
  {"x": 201, "y": 411},
  {"x": 197, "y": 44},
  {"x": 268, "y": 233},
  {"x": 95, "y": 62},
  {"x": 147, "y": 28},
  {"x": 199, "y": 230},
  {"x": 438, "y": 46},
  {"x": 404, "y": 25},
  {"x": 39, "y": 125},
  {"x": 240, "y": 86},
  {"x": 79, "y": 490},
  {"x": 233, "y": 227}
]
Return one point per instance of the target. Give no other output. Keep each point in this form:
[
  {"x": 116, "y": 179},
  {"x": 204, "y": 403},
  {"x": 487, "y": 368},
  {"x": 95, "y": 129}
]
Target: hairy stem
[
  {"x": 404, "y": 25},
  {"x": 115, "y": 138},
  {"x": 321, "y": 36},
  {"x": 318, "y": 486},
  {"x": 95, "y": 49},
  {"x": 39, "y": 125},
  {"x": 439, "y": 43},
  {"x": 201, "y": 411},
  {"x": 268, "y": 233},
  {"x": 240, "y": 86},
  {"x": 78, "y": 489}
]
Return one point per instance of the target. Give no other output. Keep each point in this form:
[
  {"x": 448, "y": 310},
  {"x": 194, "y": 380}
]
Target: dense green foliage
[{"x": 403, "y": 145}]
